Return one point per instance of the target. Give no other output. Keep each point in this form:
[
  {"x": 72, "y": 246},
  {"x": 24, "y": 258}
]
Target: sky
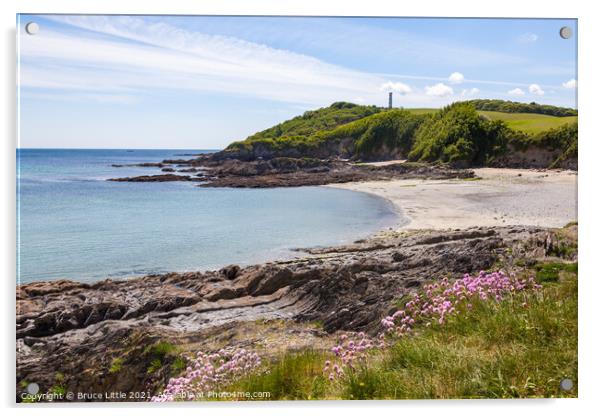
[{"x": 201, "y": 82}]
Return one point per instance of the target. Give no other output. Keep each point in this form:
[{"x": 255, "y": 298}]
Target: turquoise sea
[{"x": 74, "y": 224}]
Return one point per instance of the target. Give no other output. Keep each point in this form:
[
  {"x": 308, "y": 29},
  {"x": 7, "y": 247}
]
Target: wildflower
[{"x": 208, "y": 371}]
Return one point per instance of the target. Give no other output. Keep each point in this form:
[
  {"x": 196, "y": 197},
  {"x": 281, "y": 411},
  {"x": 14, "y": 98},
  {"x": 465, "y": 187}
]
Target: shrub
[{"x": 458, "y": 134}]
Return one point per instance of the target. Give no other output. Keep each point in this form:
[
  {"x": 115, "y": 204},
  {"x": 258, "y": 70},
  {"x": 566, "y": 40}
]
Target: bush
[{"x": 458, "y": 134}]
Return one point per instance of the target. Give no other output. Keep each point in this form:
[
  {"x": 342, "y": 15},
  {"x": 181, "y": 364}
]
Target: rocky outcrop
[
  {"x": 167, "y": 177},
  {"x": 78, "y": 329},
  {"x": 286, "y": 171}
]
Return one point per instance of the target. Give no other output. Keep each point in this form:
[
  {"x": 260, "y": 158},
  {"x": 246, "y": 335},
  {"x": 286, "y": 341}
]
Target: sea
[{"x": 74, "y": 224}]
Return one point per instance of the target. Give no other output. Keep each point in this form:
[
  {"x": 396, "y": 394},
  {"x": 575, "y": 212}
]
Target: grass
[
  {"x": 526, "y": 122},
  {"x": 529, "y": 122},
  {"x": 422, "y": 110},
  {"x": 157, "y": 356},
  {"x": 116, "y": 365},
  {"x": 551, "y": 272},
  {"x": 293, "y": 376},
  {"x": 494, "y": 351},
  {"x": 520, "y": 347}
]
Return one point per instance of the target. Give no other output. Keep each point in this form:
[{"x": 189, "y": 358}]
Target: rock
[
  {"x": 231, "y": 271},
  {"x": 222, "y": 292},
  {"x": 397, "y": 257},
  {"x": 168, "y": 177},
  {"x": 288, "y": 171},
  {"x": 274, "y": 281}
]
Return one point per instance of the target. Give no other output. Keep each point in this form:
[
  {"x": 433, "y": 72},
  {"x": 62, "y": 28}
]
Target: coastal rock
[
  {"x": 168, "y": 177},
  {"x": 291, "y": 171},
  {"x": 231, "y": 271},
  {"x": 348, "y": 287}
]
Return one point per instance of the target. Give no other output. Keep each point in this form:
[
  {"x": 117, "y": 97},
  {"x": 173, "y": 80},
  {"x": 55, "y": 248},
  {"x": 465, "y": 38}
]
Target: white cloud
[
  {"x": 536, "y": 89},
  {"x": 570, "y": 84},
  {"x": 528, "y": 38},
  {"x": 439, "y": 90},
  {"x": 125, "y": 59},
  {"x": 141, "y": 57},
  {"x": 398, "y": 87},
  {"x": 516, "y": 91},
  {"x": 456, "y": 78},
  {"x": 470, "y": 92}
]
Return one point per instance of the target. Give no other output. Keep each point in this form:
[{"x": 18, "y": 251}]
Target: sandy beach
[{"x": 498, "y": 197}]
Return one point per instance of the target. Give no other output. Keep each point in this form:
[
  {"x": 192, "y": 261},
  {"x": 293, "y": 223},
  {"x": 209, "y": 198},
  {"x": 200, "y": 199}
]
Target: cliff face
[{"x": 535, "y": 157}]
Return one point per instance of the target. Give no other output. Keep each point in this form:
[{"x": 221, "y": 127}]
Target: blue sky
[{"x": 193, "y": 82}]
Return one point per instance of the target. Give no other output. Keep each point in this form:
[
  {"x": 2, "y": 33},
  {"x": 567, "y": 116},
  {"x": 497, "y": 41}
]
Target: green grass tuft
[
  {"x": 116, "y": 366},
  {"x": 550, "y": 272},
  {"x": 293, "y": 376}
]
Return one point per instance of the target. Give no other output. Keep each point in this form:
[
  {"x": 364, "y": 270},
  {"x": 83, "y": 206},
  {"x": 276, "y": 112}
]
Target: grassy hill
[
  {"x": 458, "y": 134},
  {"x": 311, "y": 122}
]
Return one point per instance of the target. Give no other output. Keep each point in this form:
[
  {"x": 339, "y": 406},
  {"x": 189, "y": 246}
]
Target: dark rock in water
[
  {"x": 168, "y": 170},
  {"x": 149, "y": 165},
  {"x": 168, "y": 177}
]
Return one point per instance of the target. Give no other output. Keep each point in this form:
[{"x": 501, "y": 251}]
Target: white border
[{"x": 589, "y": 183}]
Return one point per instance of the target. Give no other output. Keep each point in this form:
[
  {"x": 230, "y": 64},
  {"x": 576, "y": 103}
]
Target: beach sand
[{"x": 499, "y": 197}]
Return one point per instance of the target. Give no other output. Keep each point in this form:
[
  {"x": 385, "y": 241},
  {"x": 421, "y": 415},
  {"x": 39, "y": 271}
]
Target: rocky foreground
[
  {"x": 215, "y": 171},
  {"x": 103, "y": 337}
]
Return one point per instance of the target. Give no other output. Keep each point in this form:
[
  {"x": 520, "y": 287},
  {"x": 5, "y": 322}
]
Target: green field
[
  {"x": 527, "y": 122},
  {"x": 422, "y": 110}
]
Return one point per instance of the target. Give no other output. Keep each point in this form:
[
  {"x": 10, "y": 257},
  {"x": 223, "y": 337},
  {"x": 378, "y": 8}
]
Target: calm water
[{"x": 74, "y": 224}]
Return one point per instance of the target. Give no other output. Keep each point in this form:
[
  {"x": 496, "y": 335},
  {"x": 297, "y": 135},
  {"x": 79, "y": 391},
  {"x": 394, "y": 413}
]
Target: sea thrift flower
[
  {"x": 207, "y": 372},
  {"x": 440, "y": 300},
  {"x": 350, "y": 353},
  {"x": 434, "y": 304}
]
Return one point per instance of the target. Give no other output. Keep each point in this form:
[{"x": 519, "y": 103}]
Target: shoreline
[
  {"x": 495, "y": 197},
  {"x": 274, "y": 307},
  {"x": 288, "y": 304}
]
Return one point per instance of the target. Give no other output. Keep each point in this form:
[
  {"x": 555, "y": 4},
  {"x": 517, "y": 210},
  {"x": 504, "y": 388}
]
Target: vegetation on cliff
[
  {"x": 466, "y": 133},
  {"x": 457, "y": 134},
  {"x": 299, "y": 132}
]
